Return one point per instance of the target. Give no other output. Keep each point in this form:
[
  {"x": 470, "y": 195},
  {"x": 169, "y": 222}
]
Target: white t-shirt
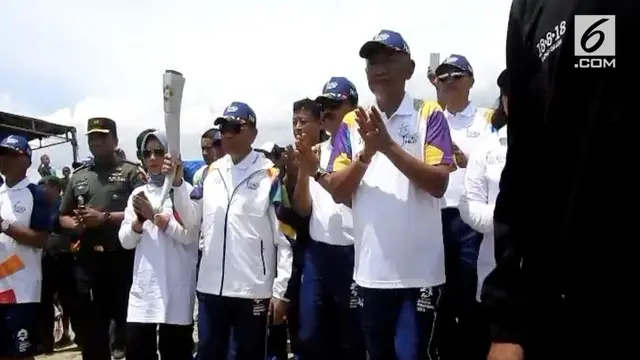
[
  {"x": 398, "y": 226},
  {"x": 164, "y": 270},
  {"x": 468, "y": 129},
  {"x": 330, "y": 223},
  {"x": 481, "y": 188},
  {"x": 20, "y": 265}
]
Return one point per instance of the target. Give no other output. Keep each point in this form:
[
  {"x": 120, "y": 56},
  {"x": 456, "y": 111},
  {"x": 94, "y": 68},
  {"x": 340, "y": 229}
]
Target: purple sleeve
[
  {"x": 341, "y": 153},
  {"x": 438, "y": 147}
]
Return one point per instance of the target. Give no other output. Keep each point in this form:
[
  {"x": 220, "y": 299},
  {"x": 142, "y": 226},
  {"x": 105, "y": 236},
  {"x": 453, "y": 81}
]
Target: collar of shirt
[
  {"x": 463, "y": 118},
  {"x": 247, "y": 162},
  {"x": 21, "y": 185},
  {"x": 405, "y": 108}
]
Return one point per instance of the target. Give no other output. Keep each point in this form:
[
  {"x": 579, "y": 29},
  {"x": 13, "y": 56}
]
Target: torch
[{"x": 173, "y": 85}]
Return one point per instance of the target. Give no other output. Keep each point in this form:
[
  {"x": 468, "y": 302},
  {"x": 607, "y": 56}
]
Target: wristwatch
[
  {"x": 320, "y": 173},
  {"x": 107, "y": 216},
  {"x": 4, "y": 225}
]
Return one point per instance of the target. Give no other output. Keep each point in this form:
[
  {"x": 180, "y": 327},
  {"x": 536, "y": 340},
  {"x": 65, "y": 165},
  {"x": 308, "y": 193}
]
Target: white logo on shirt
[
  {"x": 23, "y": 340},
  {"x": 551, "y": 40},
  {"x": 425, "y": 302}
]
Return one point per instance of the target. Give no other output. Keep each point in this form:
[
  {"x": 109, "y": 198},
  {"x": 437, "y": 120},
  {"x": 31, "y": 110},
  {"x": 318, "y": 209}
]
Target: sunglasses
[
  {"x": 453, "y": 76},
  {"x": 156, "y": 152},
  {"x": 233, "y": 127}
]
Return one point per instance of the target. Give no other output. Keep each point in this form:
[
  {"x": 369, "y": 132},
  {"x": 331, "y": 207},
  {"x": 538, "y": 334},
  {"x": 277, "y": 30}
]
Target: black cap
[
  {"x": 101, "y": 125},
  {"x": 502, "y": 80}
]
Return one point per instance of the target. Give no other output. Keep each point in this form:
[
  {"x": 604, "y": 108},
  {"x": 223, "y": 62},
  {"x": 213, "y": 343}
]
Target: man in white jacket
[{"x": 246, "y": 259}]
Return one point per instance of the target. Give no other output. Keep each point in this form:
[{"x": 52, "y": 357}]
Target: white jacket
[
  {"x": 481, "y": 188},
  {"x": 164, "y": 271},
  {"x": 245, "y": 254}
]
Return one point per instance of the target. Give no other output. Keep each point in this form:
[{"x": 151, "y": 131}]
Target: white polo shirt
[
  {"x": 398, "y": 226},
  {"x": 481, "y": 187},
  {"x": 20, "y": 265},
  {"x": 468, "y": 128},
  {"x": 330, "y": 223}
]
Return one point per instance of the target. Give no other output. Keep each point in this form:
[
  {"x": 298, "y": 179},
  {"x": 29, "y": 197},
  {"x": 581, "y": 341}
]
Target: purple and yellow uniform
[{"x": 438, "y": 148}]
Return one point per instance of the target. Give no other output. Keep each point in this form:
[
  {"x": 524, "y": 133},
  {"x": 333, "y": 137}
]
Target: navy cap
[
  {"x": 237, "y": 111},
  {"x": 455, "y": 61},
  {"x": 17, "y": 144},
  {"x": 337, "y": 89},
  {"x": 385, "y": 39}
]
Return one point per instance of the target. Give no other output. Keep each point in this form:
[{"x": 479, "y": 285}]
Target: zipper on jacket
[
  {"x": 264, "y": 267},
  {"x": 226, "y": 218}
]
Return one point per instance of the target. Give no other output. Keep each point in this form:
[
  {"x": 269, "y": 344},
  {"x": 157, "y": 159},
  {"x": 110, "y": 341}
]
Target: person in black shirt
[
  {"x": 556, "y": 291},
  {"x": 57, "y": 274}
]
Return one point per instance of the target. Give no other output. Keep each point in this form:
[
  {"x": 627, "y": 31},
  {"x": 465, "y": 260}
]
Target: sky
[{"x": 68, "y": 60}]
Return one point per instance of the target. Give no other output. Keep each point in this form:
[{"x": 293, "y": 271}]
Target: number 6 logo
[
  {"x": 595, "y": 35},
  {"x": 591, "y": 32}
]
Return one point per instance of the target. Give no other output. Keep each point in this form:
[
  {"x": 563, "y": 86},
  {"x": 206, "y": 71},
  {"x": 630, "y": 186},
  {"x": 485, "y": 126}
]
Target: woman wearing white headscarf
[{"x": 162, "y": 296}]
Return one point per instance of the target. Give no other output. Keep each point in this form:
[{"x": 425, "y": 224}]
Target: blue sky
[{"x": 68, "y": 60}]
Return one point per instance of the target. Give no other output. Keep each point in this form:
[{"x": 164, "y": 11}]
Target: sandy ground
[{"x": 72, "y": 352}]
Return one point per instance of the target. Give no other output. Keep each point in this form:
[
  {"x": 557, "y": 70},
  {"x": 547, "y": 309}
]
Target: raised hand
[{"x": 308, "y": 159}]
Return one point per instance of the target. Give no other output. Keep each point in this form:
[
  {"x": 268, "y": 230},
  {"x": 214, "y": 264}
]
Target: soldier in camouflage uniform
[{"x": 93, "y": 208}]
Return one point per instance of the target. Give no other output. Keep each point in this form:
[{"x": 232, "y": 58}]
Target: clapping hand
[
  {"x": 90, "y": 217},
  {"x": 373, "y": 131},
  {"x": 308, "y": 159},
  {"x": 142, "y": 207},
  {"x": 290, "y": 161}
]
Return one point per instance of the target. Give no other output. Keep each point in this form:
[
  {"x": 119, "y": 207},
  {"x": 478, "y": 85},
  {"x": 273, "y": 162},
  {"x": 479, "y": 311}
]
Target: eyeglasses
[
  {"x": 156, "y": 152},
  {"x": 231, "y": 127}
]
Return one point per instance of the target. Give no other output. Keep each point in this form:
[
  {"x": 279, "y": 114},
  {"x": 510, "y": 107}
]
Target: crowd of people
[{"x": 370, "y": 237}]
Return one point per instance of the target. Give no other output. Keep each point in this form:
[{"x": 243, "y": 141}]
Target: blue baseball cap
[
  {"x": 16, "y": 143},
  {"x": 386, "y": 39},
  {"x": 237, "y": 111},
  {"x": 337, "y": 89},
  {"x": 457, "y": 62}
]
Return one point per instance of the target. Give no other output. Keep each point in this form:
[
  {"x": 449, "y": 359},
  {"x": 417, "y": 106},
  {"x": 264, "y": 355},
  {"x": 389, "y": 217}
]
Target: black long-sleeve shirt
[{"x": 559, "y": 215}]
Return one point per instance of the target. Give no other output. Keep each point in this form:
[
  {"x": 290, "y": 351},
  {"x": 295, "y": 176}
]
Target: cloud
[{"x": 91, "y": 58}]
